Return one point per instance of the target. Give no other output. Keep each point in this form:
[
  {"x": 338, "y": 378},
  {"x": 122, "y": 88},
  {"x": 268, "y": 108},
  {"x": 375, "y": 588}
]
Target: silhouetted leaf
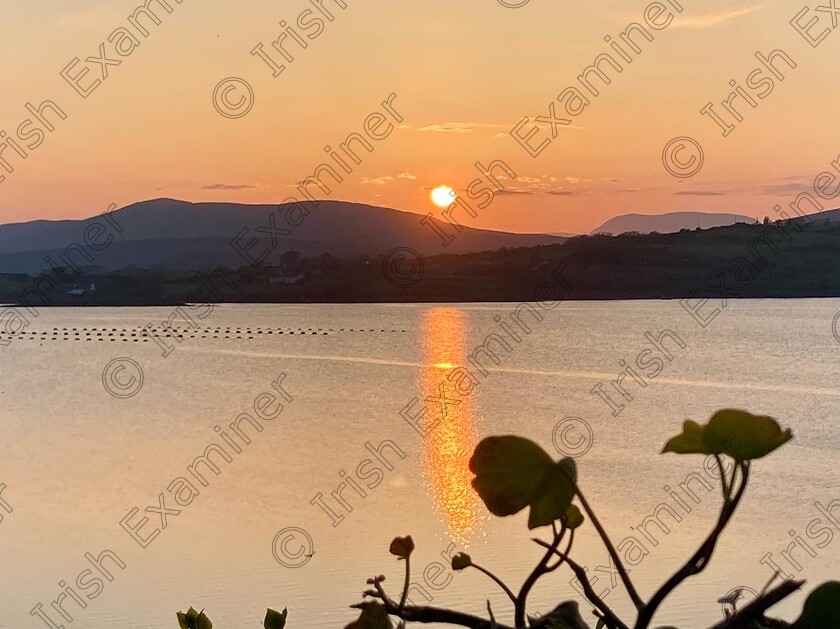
[
  {"x": 554, "y": 494},
  {"x": 739, "y": 434},
  {"x": 689, "y": 442},
  {"x": 573, "y": 517},
  {"x": 822, "y": 608},
  {"x": 402, "y": 547},
  {"x": 461, "y": 561},
  {"x": 194, "y": 620},
  {"x": 742, "y": 435},
  {"x": 275, "y": 619},
  {"x": 373, "y": 616},
  {"x": 564, "y": 616},
  {"x": 508, "y": 472}
]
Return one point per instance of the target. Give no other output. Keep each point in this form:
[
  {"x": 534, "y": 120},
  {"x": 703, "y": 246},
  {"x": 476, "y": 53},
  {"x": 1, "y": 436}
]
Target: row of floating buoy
[{"x": 142, "y": 334}]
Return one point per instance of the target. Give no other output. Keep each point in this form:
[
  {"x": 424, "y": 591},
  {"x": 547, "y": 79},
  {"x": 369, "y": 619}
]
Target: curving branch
[
  {"x": 428, "y": 615},
  {"x": 700, "y": 559},
  {"x": 536, "y": 573},
  {"x": 622, "y": 571},
  {"x": 612, "y": 621},
  {"x": 496, "y": 580}
]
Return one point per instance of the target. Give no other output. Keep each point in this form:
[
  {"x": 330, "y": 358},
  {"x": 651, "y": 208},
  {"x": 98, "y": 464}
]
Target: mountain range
[
  {"x": 668, "y": 223},
  {"x": 172, "y": 234},
  {"x": 168, "y": 234}
]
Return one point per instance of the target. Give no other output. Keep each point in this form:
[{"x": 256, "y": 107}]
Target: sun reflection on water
[{"x": 447, "y": 448}]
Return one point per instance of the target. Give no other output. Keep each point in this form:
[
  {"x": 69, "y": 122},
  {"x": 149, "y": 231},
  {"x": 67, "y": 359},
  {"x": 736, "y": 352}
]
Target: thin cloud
[
  {"x": 784, "y": 188},
  {"x": 702, "y": 193},
  {"x": 510, "y": 191},
  {"x": 713, "y": 19},
  {"x": 377, "y": 181},
  {"x": 229, "y": 186},
  {"x": 461, "y": 127},
  {"x": 560, "y": 192},
  {"x": 406, "y": 176}
]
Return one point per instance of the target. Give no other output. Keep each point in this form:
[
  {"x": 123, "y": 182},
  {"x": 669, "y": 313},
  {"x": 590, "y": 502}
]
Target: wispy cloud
[
  {"x": 560, "y": 192},
  {"x": 510, "y": 191},
  {"x": 377, "y": 181},
  {"x": 784, "y": 188},
  {"x": 406, "y": 176},
  {"x": 702, "y": 193},
  {"x": 229, "y": 186},
  {"x": 713, "y": 19},
  {"x": 461, "y": 127}
]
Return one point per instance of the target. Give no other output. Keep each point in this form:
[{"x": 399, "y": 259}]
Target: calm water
[{"x": 76, "y": 460}]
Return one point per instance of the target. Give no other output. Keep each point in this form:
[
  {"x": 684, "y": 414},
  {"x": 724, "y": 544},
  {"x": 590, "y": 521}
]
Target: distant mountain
[
  {"x": 170, "y": 234},
  {"x": 668, "y": 223}
]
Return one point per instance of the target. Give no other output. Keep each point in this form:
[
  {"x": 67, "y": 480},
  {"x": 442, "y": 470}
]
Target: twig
[
  {"x": 538, "y": 571},
  {"x": 631, "y": 590},
  {"x": 613, "y": 622},
  {"x": 755, "y": 610},
  {"x": 700, "y": 559},
  {"x": 498, "y": 581}
]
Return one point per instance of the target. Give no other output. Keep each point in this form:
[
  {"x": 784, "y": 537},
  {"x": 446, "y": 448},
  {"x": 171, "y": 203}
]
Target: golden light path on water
[{"x": 447, "y": 449}]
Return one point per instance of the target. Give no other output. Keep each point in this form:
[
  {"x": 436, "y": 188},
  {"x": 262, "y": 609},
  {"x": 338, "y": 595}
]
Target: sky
[{"x": 464, "y": 73}]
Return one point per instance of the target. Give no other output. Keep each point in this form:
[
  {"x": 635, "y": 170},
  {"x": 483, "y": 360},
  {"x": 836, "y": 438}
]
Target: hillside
[
  {"x": 668, "y": 223},
  {"x": 750, "y": 261},
  {"x": 170, "y": 234}
]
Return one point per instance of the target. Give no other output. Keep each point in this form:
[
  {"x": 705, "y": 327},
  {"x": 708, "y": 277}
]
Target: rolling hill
[
  {"x": 171, "y": 234},
  {"x": 668, "y": 223}
]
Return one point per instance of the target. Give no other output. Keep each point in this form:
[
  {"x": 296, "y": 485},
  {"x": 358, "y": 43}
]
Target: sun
[{"x": 443, "y": 196}]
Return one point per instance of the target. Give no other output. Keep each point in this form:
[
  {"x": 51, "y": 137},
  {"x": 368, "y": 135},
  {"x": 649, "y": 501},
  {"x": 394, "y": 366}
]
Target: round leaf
[
  {"x": 739, "y": 434},
  {"x": 508, "y": 472},
  {"x": 573, "y": 517},
  {"x": 742, "y": 435},
  {"x": 461, "y": 561},
  {"x": 402, "y": 547},
  {"x": 554, "y": 495},
  {"x": 822, "y": 608}
]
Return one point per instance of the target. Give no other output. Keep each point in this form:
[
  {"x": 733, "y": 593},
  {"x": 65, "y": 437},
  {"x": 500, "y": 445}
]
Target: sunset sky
[{"x": 465, "y": 73}]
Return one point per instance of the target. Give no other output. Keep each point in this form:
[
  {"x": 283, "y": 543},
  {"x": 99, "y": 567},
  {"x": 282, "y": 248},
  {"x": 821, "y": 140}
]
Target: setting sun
[{"x": 443, "y": 196}]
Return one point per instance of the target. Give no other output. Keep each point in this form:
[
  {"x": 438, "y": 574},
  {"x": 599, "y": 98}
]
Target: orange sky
[{"x": 465, "y": 73}]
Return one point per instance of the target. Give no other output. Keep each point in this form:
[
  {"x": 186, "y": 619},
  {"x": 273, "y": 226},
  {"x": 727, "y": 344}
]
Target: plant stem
[
  {"x": 407, "y": 581},
  {"x": 498, "y": 581},
  {"x": 613, "y": 622},
  {"x": 700, "y": 559},
  {"x": 631, "y": 590},
  {"x": 536, "y": 573}
]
